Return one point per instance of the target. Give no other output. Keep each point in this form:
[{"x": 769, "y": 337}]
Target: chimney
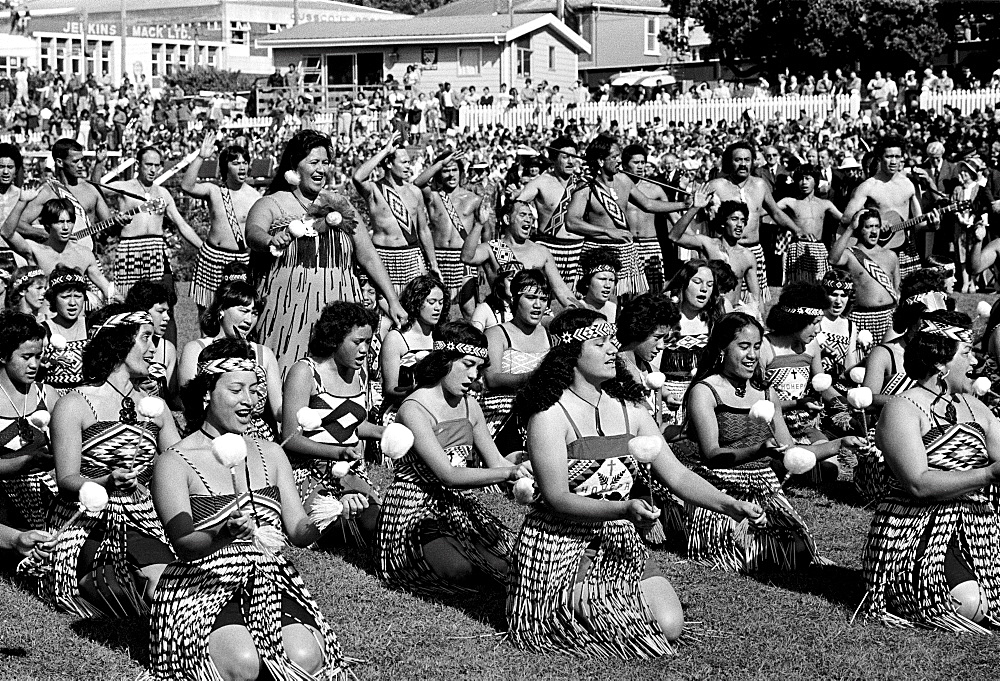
[{"x": 561, "y": 10}]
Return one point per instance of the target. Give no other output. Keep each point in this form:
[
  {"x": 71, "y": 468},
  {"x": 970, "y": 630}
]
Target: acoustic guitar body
[{"x": 888, "y": 238}]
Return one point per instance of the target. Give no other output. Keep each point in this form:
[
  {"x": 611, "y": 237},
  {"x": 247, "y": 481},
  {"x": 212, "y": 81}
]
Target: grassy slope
[{"x": 791, "y": 626}]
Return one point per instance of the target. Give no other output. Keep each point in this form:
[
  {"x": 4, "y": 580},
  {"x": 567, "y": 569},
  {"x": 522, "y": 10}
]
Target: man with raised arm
[
  {"x": 737, "y": 183},
  {"x": 516, "y": 222},
  {"x": 399, "y": 225},
  {"x": 641, "y": 223},
  {"x": 453, "y": 212},
  {"x": 228, "y": 206},
  {"x": 550, "y": 193},
  {"x": 891, "y": 193},
  {"x": 874, "y": 271},
  {"x": 597, "y": 211}
]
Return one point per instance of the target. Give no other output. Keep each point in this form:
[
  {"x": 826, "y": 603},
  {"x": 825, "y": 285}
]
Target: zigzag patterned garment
[
  {"x": 63, "y": 369},
  {"x": 191, "y": 595},
  {"x": 904, "y": 556},
  {"x": 552, "y": 550},
  {"x": 126, "y": 513},
  {"x": 32, "y": 492},
  {"x": 789, "y": 376},
  {"x": 876, "y": 272}
]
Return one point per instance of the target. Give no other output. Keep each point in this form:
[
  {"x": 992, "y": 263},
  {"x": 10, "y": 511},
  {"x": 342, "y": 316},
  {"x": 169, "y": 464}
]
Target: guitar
[
  {"x": 152, "y": 206},
  {"x": 893, "y": 225}
]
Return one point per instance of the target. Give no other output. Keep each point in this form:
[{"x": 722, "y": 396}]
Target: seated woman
[
  {"x": 790, "y": 357},
  {"x": 231, "y": 608},
  {"x": 232, "y": 314},
  {"x": 329, "y": 379},
  {"x": 581, "y": 581},
  {"x": 108, "y": 564},
  {"x": 496, "y": 308},
  {"x": 26, "y": 291},
  {"x": 838, "y": 336},
  {"x": 516, "y": 349},
  {"x": 63, "y": 361},
  {"x": 646, "y": 325},
  {"x": 153, "y": 297},
  {"x": 739, "y": 453},
  {"x": 931, "y": 558},
  {"x": 26, "y": 475},
  {"x": 434, "y": 538},
  {"x": 423, "y": 299},
  {"x": 598, "y": 278}
]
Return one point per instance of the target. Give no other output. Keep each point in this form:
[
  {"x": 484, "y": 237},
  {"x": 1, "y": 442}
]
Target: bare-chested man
[
  {"x": 142, "y": 249},
  {"x": 890, "y": 192},
  {"x": 597, "y": 211},
  {"x": 729, "y": 223},
  {"x": 453, "y": 212},
  {"x": 641, "y": 224},
  {"x": 806, "y": 255},
  {"x": 550, "y": 193},
  {"x": 228, "y": 206},
  {"x": 738, "y": 184},
  {"x": 874, "y": 271},
  {"x": 517, "y": 223},
  {"x": 400, "y": 235},
  {"x": 58, "y": 218}
]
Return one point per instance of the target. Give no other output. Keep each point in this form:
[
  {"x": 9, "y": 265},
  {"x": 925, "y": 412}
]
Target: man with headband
[
  {"x": 874, "y": 271},
  {"x": 453, "y": 211}
]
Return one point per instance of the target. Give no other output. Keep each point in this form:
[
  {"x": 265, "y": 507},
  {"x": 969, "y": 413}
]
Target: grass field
[{"x": 788, "y": 626}]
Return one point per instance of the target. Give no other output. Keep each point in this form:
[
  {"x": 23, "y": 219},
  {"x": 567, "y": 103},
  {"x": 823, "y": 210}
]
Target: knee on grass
[
  {"x": 302, "y": 647},
  {"x": 233, "y": 653},
  {"x": 664, "y": 606}
]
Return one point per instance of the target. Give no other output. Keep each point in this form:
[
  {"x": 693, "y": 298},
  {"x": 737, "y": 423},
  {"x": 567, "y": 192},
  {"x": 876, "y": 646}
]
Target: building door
[
  {"x": 339, "y": 69},
  {"x": 370, "y": 68}
]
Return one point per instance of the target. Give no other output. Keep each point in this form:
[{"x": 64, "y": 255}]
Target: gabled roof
[
  {"x": 423, "y": 30},
  {"x": 480, "y": 7}
]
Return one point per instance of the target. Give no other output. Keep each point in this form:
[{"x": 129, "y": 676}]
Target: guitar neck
[
  {"x": 101, "y": 226},
  {"x": 912, "y": 222}
]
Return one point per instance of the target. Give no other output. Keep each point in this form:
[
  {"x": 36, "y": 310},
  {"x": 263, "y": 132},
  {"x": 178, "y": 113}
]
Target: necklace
[
  {"x": 126, "y": 414},
  {"x": 597, "y": 410},
  {"x": 739, "y": 388},
  {"x": 950, "y": 413},
  {"x": 24, "y": 431},
  {"x": 302, "y": 202}
]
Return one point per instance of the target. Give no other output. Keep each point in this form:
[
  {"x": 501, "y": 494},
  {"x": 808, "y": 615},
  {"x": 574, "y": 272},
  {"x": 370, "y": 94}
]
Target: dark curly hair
[
  {"x": 524, "y": 280},
  {"x": 595, "y": 258},
  {"x": 297, "y": 148},
  {"x": 145, "y": 294},
  {"x": 107, "y": 347},
  {"x": 924, "y": 280},
  {"x": 17, "y": 328},
  {"x": 337, "y": 320},
  {"x": 52, "y": 291},
  {"x": 925, "y": 351},
  {"x": 437, "y": 363},
  {"x": 725, "y": 331},
  {"x": 725, "y": 278},
  {"x": 730, "y": 151},
  {"x": 231, "y": 153},
  {"x": 555, "y": 374},
  {"x": 714, "y": 308},
  {"x": 641, "y": 316},
  {"x": 496, "y": 299},
  {"x": 725, "y": 210},
  {"x": 230, "y": 294},
  {"x": 197, "y": 390},
  {"x": 415, "y": 293},
  {"x": 781, "y": 322},
  {"x": 52, "y": 208},
  {"x": 599, "y": 149}
]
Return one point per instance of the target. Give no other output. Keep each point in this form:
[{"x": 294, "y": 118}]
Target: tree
[
  {"x": 808, "y": 35},
  {"x": 405, "y": 6}
]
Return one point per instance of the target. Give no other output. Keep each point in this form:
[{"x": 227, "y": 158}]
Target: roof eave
[
  {"x": 558, "y": 26},
  {"x": 381, "y": 40}
]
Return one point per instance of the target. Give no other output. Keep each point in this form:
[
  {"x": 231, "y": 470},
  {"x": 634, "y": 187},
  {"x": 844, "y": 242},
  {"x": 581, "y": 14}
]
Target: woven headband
[
  {"x": 838, "y": 285},
  {"x": 137, "y": 317},
  {"x": 25, "y": 278},
  {"x": 932, "y": 300},
  {"x": 603, "y": 267},
  {"x": 68, "y": 279},
  {"x": 234, "y": 277},
  {"x": 808, "y": 311},
  {"x": 957, "y": 333},
  {"x": 224, "y": 365},
  {"x": 586, "y": 333},
  {"x": 464, "y": 348}
]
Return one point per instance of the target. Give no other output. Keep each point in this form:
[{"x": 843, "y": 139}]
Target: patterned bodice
[
  {"x": 209, "y": 510},
  {"x": 341, "y": 414},
  {"x": 958, "y": 447},
  {"x": 737, "y": 429},
  {"x": 103, "y": 448},
  {"x": 834, "y": 353},
  {"x": 520, "y": 362},
  {"x": 680, "y": 354},
  {"x": 455, "y": 438},
  {"x": 789, "y": 375},
  {"x": 64, "y": 368},
  {"x": 898, "y": 380},
  {"x": 16, "y": 434}
]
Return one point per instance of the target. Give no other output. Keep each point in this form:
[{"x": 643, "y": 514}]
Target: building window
[
  {"x": 652, "y": 36},
  {"x": 9, "y": 65},
  {"x": 470, "y": 61},
  {"x": 213, "y": 57},
  {"x": 239, "y": 32},
  {"x": 156, "y": 54},
  {"x": 523, "y": 62},
  {"x": 552, "y": 58},
  {"x": 276, "y": 28}
]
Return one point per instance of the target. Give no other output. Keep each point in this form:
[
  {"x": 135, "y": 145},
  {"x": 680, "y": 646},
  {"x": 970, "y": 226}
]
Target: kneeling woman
[
  {"x": 433, "y": 537},
  {"x": 329, "y": 460},
  {"x": 933, "y": 552},
  {"x": 738, "y": 454},
  {"x": 580, "y": 581},
  {"x": 108, "y": 564},
  {"x": 229, "y": 607}
]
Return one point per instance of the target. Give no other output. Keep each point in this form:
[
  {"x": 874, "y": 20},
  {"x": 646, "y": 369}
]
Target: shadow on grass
[
  {"x": 836, "y": 584},
  {"x": 129, "y": 636}
]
